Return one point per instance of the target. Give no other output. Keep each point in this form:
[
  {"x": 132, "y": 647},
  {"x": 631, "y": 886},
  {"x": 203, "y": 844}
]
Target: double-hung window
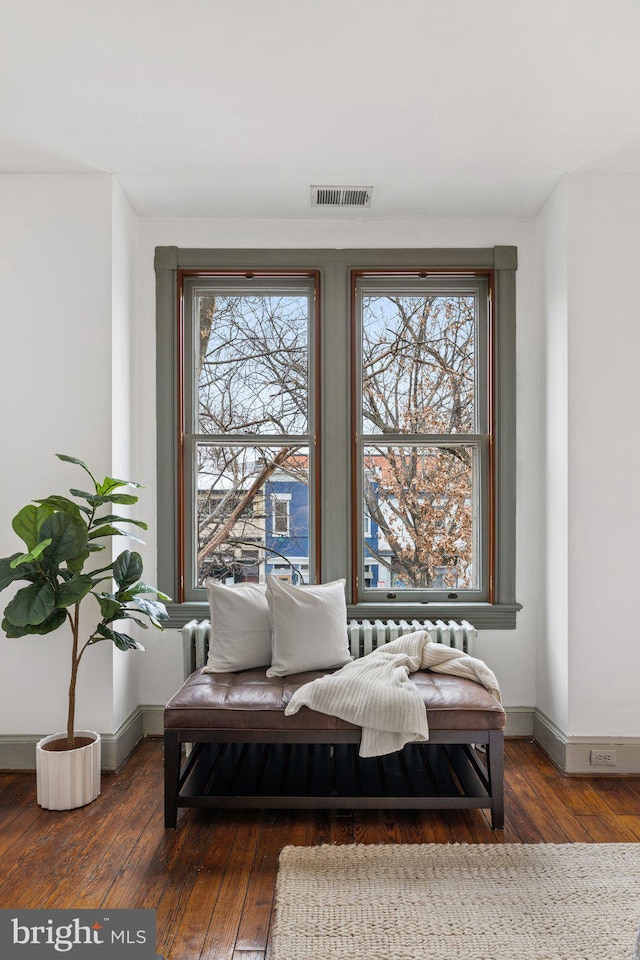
[
  {"x": 422, "y": 437},
  {"x": 247, "y": 470},
  {"x": 327, "y": 414}
]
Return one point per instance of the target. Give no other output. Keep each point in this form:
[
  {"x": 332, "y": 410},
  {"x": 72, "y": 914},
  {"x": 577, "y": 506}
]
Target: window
[
  {"x": 248, "y": 435},
  {"x": 422, "y": 437},
  {"x": 329, "y": 414},
  {"x": 280, "y": 514}
]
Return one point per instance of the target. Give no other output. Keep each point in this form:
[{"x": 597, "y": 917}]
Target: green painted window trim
[{"x": 335, "y": 268}]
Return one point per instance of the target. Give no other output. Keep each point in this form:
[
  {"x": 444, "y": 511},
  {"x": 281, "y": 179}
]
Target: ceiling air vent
[{"x": 341, "y": 196}]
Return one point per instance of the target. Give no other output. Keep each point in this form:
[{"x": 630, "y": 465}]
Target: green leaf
[
  {"x": 32, "y": 555},
  {"x": 64, "y": 504},
  {"x": 31, "y": 605},
  {"x": 73, "y": 590},
  {"x": 111, "y": 483},
  {"x": 76, "y": 565},
  {"x": 12, "y": 631},
  {"x": 122, "y": 640},
  {"x": 127, "y": 569},
  {"x": 68, "y": 535},
  {"x": 53, "y": 622},
  {"x": 141, "y": 623},
  {"x": 96, "y": 500},
  {"x": 80, "y": 463},
  {"x": 92, "y": 498},
  {"x": 109, "y": 531},
  {"x": 112, "y": 518},
  {"x": 125, "y": 613},
  {"x": 122, "y": 498},
  {"x": 109, "y": 606},
  {"x": 9, "y": 572},
  {"x": 151, "y": 608},
  {"x": 145, "y": 588},
  {"x": 28, "y": 522}
]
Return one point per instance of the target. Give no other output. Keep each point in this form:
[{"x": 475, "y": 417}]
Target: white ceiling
[{"x": 233, "y": 108}]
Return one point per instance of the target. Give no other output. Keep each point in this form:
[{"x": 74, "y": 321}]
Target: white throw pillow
[
  {"x": 240, "y": 627},
  {"x": 308, "y": 627}
]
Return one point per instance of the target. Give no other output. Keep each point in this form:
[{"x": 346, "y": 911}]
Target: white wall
[
  {"x": 589, "y": 655},
  {"x": 552, "y": 690},
  {"x": 510, "y": 653},
  {"x": 604, "y": 454},
  {"x": 55, "y": 397},
  {"x": 124, "y": 232}
]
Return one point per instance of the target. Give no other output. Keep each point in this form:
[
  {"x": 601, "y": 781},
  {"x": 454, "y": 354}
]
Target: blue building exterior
[
  {"x": 287, "y": 533},
  {"x": 287, "y": 529}
]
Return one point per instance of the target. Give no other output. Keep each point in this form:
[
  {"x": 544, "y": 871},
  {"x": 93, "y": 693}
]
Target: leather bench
[{"x": 244, "y": 752}]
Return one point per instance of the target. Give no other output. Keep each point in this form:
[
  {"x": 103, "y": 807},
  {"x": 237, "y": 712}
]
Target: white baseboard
[
  {"x": 550, "y": 738},
  {"x": 117, "y": 746},
  {"x": 152, "y": 720},
  {"x": 573, "y": 754},
  {"x": 19, "y": 752},
  {"x": 519, "y": 722}
]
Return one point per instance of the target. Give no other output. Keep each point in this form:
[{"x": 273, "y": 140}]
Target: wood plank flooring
[{"x": 212, "y": 880}]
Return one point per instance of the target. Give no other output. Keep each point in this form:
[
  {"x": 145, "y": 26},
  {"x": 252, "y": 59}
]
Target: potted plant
[{"x": 61, "y": 536}]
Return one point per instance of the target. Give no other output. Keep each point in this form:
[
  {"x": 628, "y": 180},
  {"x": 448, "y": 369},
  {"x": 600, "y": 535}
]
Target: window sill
[{"x": 483, "y": 616}]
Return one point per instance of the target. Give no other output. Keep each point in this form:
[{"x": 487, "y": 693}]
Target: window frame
[
  {"x": 190, "y": 284},
  {"x": 279, "y": 498},
  {"x": 334, "y": 271},
  {"x": 480, "y": 439}
]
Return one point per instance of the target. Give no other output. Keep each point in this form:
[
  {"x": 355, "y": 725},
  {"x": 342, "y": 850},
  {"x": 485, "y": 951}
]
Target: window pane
[
  {"x": 280, "y": 517},
  {"x": 240, "y": 534},
  {"x": 418, "y": 363},
  {"x": 252, "y": 364},
  {"x": 422, "y": 504}
]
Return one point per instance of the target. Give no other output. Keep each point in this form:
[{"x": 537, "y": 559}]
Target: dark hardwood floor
[{"x": 212, "y": 880}]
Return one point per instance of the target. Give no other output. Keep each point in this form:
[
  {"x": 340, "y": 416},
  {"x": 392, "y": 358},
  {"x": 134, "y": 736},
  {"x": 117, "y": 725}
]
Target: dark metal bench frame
[{"x": 190, "y": 780}]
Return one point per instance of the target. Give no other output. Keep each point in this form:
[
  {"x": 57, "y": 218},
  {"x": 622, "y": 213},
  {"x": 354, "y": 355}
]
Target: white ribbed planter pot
[{"x": 66, "y": 779}]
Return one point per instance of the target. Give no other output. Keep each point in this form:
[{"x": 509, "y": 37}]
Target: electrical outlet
[{"x": 606, "y": 758}]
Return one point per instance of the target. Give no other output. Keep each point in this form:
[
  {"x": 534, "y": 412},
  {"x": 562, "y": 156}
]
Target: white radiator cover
[{"x": 364, "y": 637}]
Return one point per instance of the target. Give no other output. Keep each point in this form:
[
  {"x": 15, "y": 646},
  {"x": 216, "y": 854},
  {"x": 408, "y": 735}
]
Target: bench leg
[
  {"x": 495, "y": 767},
  {"x": 171, "y": 777}
]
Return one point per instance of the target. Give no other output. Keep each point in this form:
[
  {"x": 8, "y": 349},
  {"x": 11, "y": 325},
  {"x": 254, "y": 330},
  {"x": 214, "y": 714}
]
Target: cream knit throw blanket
[{"x": 376, "y": 693}]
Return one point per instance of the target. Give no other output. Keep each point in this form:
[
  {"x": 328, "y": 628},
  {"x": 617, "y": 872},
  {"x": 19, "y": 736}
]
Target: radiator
[{"x": 364, "y": 636}]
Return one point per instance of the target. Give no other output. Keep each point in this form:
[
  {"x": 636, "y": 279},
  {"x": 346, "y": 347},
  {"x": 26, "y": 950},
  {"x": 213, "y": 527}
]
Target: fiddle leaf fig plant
[{"x": 61, "y": 535}]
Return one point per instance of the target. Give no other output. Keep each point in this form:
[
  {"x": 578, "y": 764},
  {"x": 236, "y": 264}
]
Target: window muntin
[
  {"x": 249, "y": 453},
  {"x": 422, "y": 439}
]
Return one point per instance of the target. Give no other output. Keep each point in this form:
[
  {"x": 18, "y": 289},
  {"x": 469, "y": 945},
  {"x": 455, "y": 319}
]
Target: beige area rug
[{"x": 452, "y": 901}]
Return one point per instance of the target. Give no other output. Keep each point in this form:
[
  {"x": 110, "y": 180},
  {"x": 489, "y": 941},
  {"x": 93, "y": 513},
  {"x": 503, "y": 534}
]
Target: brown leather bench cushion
[{"x": 252, "y": 701}]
